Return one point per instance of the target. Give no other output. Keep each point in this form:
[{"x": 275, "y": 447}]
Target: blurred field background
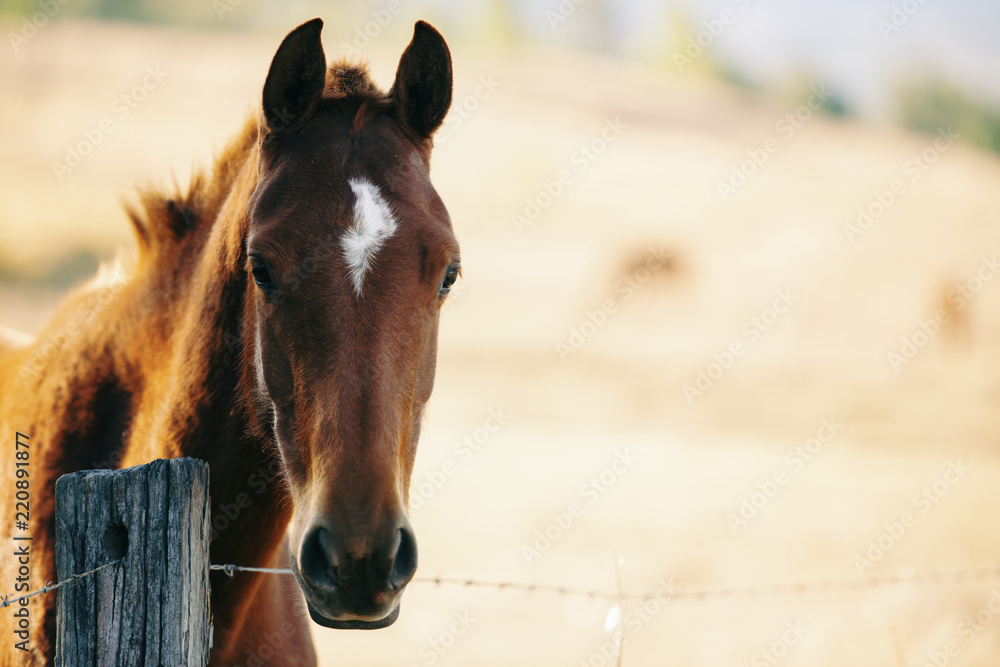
[{"x": 530, "y": 336}]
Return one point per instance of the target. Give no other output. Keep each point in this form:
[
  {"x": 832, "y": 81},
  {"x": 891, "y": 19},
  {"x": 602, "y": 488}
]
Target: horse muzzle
[{"x": 355, "y": 592}]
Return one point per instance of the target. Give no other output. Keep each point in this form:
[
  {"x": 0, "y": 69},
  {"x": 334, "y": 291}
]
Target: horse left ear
[
  {"x": 296, "y": 78},
  {"x": 422, "y": 90}
]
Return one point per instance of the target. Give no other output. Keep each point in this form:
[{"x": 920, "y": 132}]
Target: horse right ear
[
  {"x": 296, "y": 79},
  {"x": 422, "y": 90}
]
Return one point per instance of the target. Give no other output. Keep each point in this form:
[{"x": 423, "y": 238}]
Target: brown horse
[{"x": 280, "y": 322}]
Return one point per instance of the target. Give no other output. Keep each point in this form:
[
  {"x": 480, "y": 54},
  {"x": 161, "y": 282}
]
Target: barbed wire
[
  {"x": 696, "y": 594},
  {"x": 231, "y": 569},
  {"x": 676, "y": 592},
  {"x": 6, "y": 601}
]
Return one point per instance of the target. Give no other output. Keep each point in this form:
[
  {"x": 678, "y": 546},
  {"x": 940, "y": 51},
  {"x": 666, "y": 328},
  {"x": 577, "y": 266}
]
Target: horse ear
[
  {"x": 422, "y": 90},
  {"x": 296, "y": 78}
]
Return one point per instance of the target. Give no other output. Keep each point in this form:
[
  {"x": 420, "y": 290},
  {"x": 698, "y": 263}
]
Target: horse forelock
[
  {"x": 349, "y": 81},
  {"x": 344, "y": 78}
]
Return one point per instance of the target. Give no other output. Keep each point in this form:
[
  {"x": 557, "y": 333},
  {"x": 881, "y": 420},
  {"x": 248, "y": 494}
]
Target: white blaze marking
[{"x": 373, "y": 224}]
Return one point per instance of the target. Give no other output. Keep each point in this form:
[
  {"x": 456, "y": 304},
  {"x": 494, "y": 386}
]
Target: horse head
[{"x": 350, "y": 256}]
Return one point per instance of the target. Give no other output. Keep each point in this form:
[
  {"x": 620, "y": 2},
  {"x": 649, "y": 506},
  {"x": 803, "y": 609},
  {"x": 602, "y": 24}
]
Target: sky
[
  {"x": 853, "y": 46},
  {"x": 840, "y": 42}
]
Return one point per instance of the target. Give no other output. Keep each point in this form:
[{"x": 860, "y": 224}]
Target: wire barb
[
  {"x": 231, "y": 569},
  {"x": 694, "y": 594},
  {"x": 6, "y": 601}
]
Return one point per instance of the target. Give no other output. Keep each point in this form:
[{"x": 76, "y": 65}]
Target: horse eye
[
  {"x": 450, "y": 276},
  {"x": 261, "y": 274}
]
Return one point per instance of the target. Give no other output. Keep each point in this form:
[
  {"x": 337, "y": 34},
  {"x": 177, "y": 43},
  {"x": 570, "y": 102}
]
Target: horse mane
[{"x": 163, "y": 218}]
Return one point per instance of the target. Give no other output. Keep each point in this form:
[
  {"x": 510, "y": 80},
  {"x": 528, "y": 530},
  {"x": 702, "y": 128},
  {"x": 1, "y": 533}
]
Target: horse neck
[{"x": 206, "y": 413}]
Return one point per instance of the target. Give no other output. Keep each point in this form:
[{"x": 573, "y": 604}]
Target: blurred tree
[
  {"x": 134, "y": 10},
  {"x": 928, "y": 106},
  {"x": 684, "y": 54},
  {"x": 500, "y": 19},
  {"x": 18, "y": 7},
  {"x": 832, "y": 102}
]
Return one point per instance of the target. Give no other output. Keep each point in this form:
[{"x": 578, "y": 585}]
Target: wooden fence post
[{"x": 152, "y": 609}]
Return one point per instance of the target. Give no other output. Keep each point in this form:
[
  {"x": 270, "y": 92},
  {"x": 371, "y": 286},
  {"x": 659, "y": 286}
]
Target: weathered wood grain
[{"x": 152, "y": 609}]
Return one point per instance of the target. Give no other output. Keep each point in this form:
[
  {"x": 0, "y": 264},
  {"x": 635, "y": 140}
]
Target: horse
[{"x": 279, "y": 320}]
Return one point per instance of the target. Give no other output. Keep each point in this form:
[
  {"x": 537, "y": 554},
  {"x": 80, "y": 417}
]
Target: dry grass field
[{"x": 843, "y": 377}]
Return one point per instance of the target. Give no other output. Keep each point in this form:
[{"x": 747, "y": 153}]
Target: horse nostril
[
  {"x": 319, "y": 559},
  {"x": 404, "y": 564},
  {"x": 326, "y": 567}
]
